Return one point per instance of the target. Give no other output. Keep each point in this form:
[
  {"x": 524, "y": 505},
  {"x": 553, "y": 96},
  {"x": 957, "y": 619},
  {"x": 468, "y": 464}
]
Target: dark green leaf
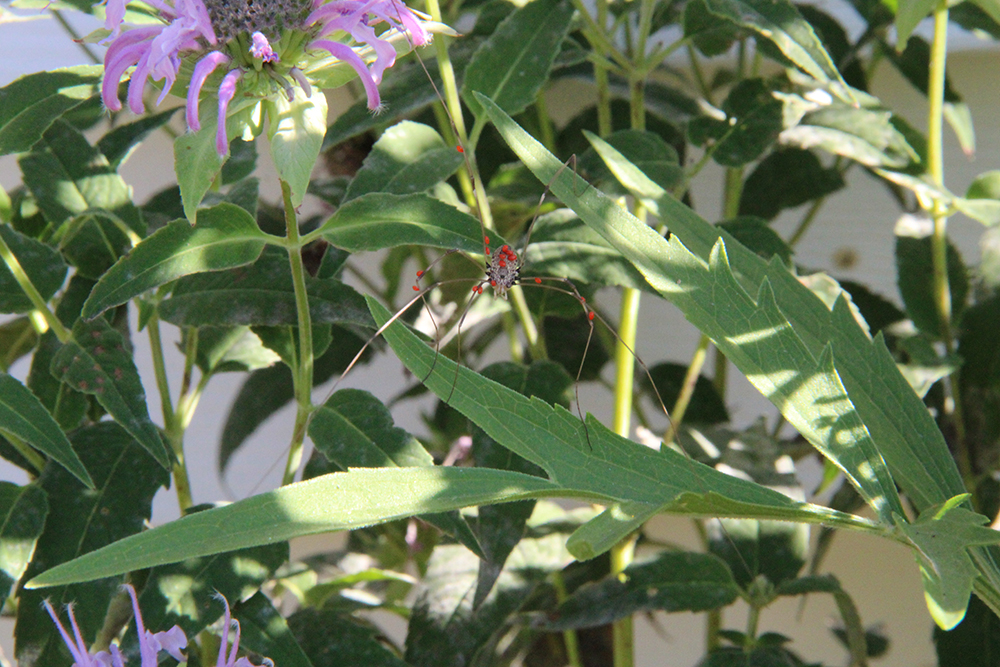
[
  {"x": 22, "y": 515},
  {"x": 646, "y": 150},
  {"x": 513, "y": 64},
  {"x": 260, "y": 294},
  {"x": 915, "y": 277},
  {"x": 43, "y": 265},
  {"x": 978, "y": 344},
  {"x": 787, "y": 178},
  {"x": 80, "y": 521},
  {"x": 332, "y": 640},
  {"x": 118, "y": 144},
  {"x": 674, "y": 581},
  {"x": 712, "y": 36},
  {"x": 225, "y": 237},
  {"x": 975, "y": 642},
  {"x": 408, "y": 158},
  {"x": 65, "y": 404},
  {"x": 376, "y": 220},
  {"x": 228, "y": 349},
  {"x": 29, "y": 105},
  {"x": 265, "y": 631},
  {"x": 242, "y": 162},
  {"x": 18, "y": 337},
  {"x": 753, "y": 123},
  {"x": 705, "y": 407},
  {"x": 96, "y": 362},
  {"x": 23, "y": 415}
]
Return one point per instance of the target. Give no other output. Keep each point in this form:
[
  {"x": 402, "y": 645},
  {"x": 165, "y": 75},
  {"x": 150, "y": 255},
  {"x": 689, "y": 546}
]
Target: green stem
[
  {"x": 939, "y": 239},
  {"x": 546, "y": 130},
  {"x": 806, "y": 222},
  {"x": 753, "y": 618},
  {"x": 303, "y": 372},
  {"x": 173, "y": 424},
  {"x": 622, "y": 554},
  {"x": 569, "y": 636},
  {"x": 61, "y": 332},
  {"x": 687, "y": 389}
]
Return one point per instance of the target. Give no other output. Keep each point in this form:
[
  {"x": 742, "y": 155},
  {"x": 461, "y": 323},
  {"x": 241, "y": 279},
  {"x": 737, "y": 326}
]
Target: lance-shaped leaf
[
  {"x": 296, "y": 130},
  {"x": 29, "y": 105},
  {"x": 674, "y": 581},
  {"x": 377, "y": 220},
  {"x": 265, "y": 631},
  {"x": 782, "y": 25},
  {"x": 338, "y": 501},
  {"x": 225, "y": 237},
  {"x": 119, "y": 143},
  {"x": 407, "y": 158},
  {"x": 96, "y": 362},
  {"x": 44, "y": 266},
  {"x": 23, "y": 415},
  {"x": 260, "y": 294},
  {"x": 511, "y": 66},
  {"x": 22, "y": 516}
]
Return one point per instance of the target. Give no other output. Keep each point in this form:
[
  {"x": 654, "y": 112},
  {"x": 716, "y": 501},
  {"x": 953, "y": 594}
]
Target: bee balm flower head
[{"x": 260, "y": 49}]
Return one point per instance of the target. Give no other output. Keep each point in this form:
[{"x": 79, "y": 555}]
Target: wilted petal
[
  {"x": 202, "y": 71},
  {"x": 347, "y": 55},
  {"x": 226, "y": 92}
]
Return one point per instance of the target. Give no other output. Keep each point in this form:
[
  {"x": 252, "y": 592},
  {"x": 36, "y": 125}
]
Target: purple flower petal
[
  {"x": 114, "y": 13},
  {"x": 300, "y": 78},
  {"x": 347, "y": 55},
  {"x": 202, "y": 70},
  {"x": 226, "y": 92},
  {"x": 77, "y": 648},
  {"x": 122, "y": 54}
]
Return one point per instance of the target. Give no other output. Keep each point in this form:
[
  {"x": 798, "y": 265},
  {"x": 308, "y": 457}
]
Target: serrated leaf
[
  {"x": 23, "y": 415},
  {"x": 646, "y": 150},
  {"x": 22, "y": 516},
  {"x": 377, "y": 220},
  {"x": 225, "y": 237},
  {"x": 33, "y": 102},
  {"x": 260, "y": 294},
  {"x": 81, "y": 521},
  {"x": 674, "y": 581},
  {"x": 514, "y": 62},
  {"x": 96, "y": 362},
  {"x": 783, "y": 26},
  {"x": 296, "y": 129},
  {"x": 43, "y": 265},
  {"x": 408, "y": 158},
  {"x": 824, "y": 422},
  {"x": 942, "y": 538}
]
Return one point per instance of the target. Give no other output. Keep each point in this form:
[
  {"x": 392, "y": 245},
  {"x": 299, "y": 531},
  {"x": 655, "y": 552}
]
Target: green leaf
[
  {"x": 377, "y": 220},
  {"x": 674, "y": 581},
  {"x": 408, "y": 158},
  {"x": 81, "y": 521},
  {"x": 33, "y": 102},
  {"x": 646, "y": 150},
  {"x": 23, "y": 510},
  {"x": 66, "y": 405},
  {"x": 712, "y": 297},
  {"x": 783, "y": 26},
  {"x": 96, "y": 362},
  {"x": 332, "y": 639},
  {"x": 260, "y": 294},
  {"x": 44, "y": 266},
  {"x": 23, "y": 415},
  {"x": 18, "y": 337},
  {"x": 915, "y": 276},
  {"x": 296, "y": 129},
  {"x": 787, "y": 178},
  {"x": 225, "y": 237},
  {"x": 338, "y": 501},
  {"x": 197, "y": 165},
  {"x": 265, "y": 631},
  {"x": 705, "y": 407},
  {"x": 908, "y": 15},
  {"x": 941, "y": 537},
  {"x": 228, "y": 349},
  {"x": 118, "y": 144},
  {"x": 711, "y": 36},
  {"x": 513, "y": 64},
  {"x": 756, "y": 235},
  {"x": 186, "y": 594},
  {"x": 975, "y": 642}
]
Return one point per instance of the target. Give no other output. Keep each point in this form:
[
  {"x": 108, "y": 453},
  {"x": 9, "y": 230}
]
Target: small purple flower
[
  {"x": 266, "y": 47},
  {"x": 228, "y": 659},
  {"x": 150, "y": 644}
]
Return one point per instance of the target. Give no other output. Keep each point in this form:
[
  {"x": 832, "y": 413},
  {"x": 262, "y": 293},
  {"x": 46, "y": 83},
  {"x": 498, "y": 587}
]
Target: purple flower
[
  {"x": 267, "y": 47},
  {"x": 227, "y": 658},
  {"x": 172, "y": 641}
]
